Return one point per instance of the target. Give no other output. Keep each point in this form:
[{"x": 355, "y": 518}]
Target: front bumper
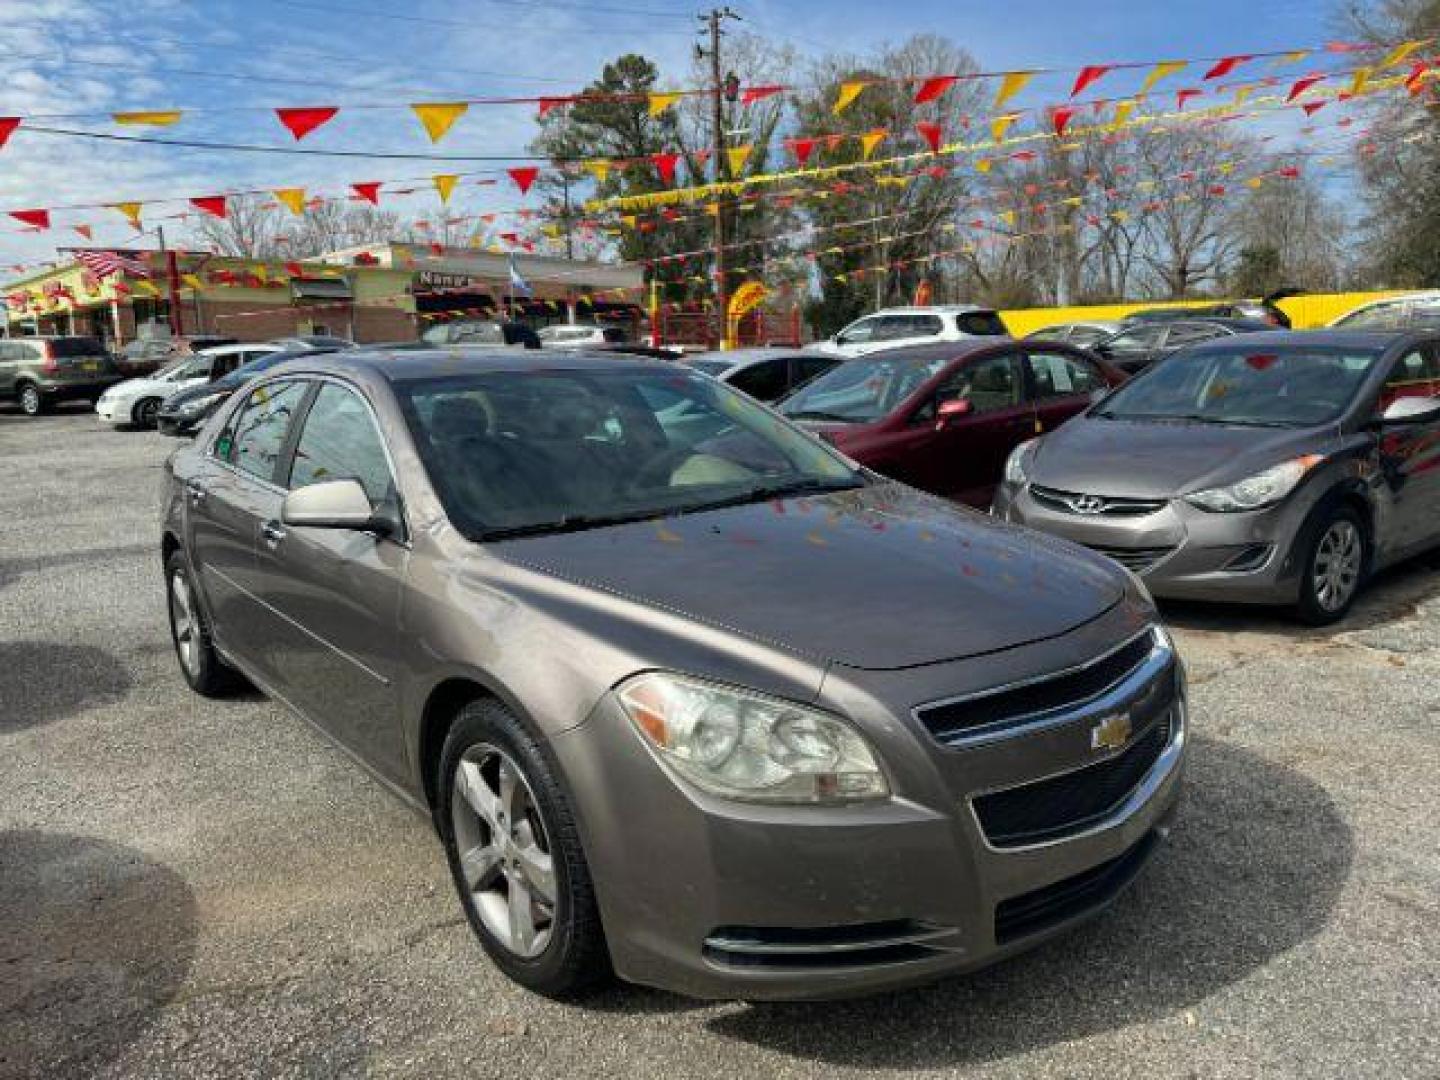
[
  {"x": 719, "y": 899},
  {"x": 1182, "y": 552},
  {"x": 115, "y": 410}
]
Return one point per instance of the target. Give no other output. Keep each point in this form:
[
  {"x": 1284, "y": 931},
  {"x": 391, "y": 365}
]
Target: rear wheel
[
  {"x": 1334, "y": 568},
  {"x": 515, "y": 855},
  {"x": 32, "y": 402},
  {"x": 144, "y": 412},
  {"x": 201, "y": 665}
]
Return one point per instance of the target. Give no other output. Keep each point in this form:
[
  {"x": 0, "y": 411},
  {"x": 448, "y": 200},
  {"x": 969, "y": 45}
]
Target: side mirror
[
  {"x": 1411, "y": 410},
  {"x": 951, "y": 411},
  {"x": 336, "y": 504}
]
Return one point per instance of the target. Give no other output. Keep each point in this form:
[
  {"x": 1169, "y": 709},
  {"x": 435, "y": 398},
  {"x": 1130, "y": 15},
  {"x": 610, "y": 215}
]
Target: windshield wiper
[
  {"x": 569, "y": 523},
  {"x": 1226, "y": 421},
  {"x": 765, "y": 492},
  {"x": 817, "y": 414}
]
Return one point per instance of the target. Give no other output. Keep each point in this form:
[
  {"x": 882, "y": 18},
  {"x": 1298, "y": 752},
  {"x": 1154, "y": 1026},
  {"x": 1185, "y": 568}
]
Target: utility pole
[{"x": 712, "y": 23}]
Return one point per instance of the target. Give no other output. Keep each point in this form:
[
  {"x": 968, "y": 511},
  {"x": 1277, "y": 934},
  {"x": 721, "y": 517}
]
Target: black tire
[
  {"x": 143, "y": 414},
  {"x": 206, "y": 673},
  {"x": 1311, "y": 606},
  {"x": 32, "y": 401},
  {"x": 576, "y": 958}
]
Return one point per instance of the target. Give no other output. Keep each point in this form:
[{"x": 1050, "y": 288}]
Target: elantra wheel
[
  {"x": 1335, "y": 568},
  {"x": 515, "y": 855}
]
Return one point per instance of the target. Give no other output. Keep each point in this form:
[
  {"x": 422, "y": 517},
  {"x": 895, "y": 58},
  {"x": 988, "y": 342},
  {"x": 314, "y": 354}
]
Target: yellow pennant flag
[
  {"x": 262, "y": 274},
  {"x": 983, "y": 165},
  {"x": 1242, "y": 93},
  {"x": 1226, "y": 168},
  {"x": 192, "y": 281},
  {"x": 151, "y": 119},
  {"x": 1001, "y": 124},
  {"x": 147, "y": 287},
  {"x": 1359, "y": 82},
  {"x": 1291, "y": 58},
  {"x": 628, "y": 220},
  {"x": 870, "y": 140},
  {"x": 293, "y": 199},
  {"x": 1007, "y": 216},
  {"x": 1012, "y": 84},
  {"x": 1074, "y": 200},
  {"x": 1123, "y": 109},
  {"x": 445, "y": 184},
  {"x": 599, "y": 168},
  {"x": 1161, "y": 71},
  {"x": 132, "y": 211},
  {"x": 849, "y": 91},
  {"x": 438, "y": 118},
  {"x": 1121, "y": 215},
  {"x": 660, "y": 102},
  {"x": 1401, "y": 53},
  {"x": 1255, "y": 181},
  {"x": 736, "y": 156}
]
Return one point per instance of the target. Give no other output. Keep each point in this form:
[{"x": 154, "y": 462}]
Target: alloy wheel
[
  {"x": 145, "y": 412},
  {"x": 1338, "y": 561},
  {"x": 30, "y": 402},
  {"x": 504, "y": 849},
  {"x": 185, "y": 625}
]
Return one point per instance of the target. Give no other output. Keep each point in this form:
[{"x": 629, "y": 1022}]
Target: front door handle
[{"x": 272, "y": 532}]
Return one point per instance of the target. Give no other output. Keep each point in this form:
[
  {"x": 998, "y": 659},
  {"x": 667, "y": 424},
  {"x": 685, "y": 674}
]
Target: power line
[{"x": 547, "y": 5}]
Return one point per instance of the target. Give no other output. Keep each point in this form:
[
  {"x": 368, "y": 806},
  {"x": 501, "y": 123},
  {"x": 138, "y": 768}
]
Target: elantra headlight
[
  {"x": 1256, "y": 492},
  {"x": 1017, "y": 465},
  {"x": 742, "y": 744}
]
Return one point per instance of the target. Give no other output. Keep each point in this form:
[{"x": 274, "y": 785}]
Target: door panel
[
  {"x": 1410, "y": 456},
  {"x": 1061, "y": 384}
]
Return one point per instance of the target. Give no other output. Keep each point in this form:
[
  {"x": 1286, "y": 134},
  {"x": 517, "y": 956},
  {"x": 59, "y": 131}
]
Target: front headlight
[
  {"x": 192, "y": 409},
  {"x": 745, "y": 745},
  {"x": 1018, "y": 463},
  {"x": 1256, "y": 492}
]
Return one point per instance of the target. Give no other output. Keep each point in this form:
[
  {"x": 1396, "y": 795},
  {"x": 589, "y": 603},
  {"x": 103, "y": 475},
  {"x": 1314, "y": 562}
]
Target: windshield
[
  {"x": 514, "y": 453},
  {"x": 1297, "y": 386},
  {"x": 245, "y": 372},
  {"x": 862, "y": 390}
]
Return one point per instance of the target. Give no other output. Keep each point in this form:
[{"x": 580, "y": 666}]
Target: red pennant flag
[
  {"x": 85, "y": 231},
  {"x": 1226, "y": 66},
  {"x": 524, "y": 177},
  {"x": 1182, "y": 96},
  {"x": 8, "y": 124},
  {"x": 302, "y": 122},
  {"x": 214, "y": 205},
  {"x": 665, "y": 166},
  {"x": 1089, "y": 75},
  {"x": 294, "y": 269},
  {"x": 39, "y": 219},
  {"x": 549, "y": 104},
  {"x": 934, "y": 86},
  {"x": 802, "y": 149},
  {"x": 369, "y": 191},
  {"x": 1301, "y": 85},
  {"x": 753, "y": 94},
  {"x": 1312, "y": 107},
  {"x": 1290, "y": 172},
  {"x": 1217, "y": 189},
  {"x": 931, "y": 133},
  {"x": 437, "y": 249},
  {"x": 1061, "y": 115}
]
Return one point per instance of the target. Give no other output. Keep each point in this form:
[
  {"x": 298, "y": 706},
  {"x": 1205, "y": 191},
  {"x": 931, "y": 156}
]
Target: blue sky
[{"x": 97, "y": 56}]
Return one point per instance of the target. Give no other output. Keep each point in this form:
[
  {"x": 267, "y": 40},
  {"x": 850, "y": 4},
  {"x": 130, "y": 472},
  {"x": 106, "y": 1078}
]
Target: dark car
[
  {"x": 766, "y": 374},
  {"x": 944, "y": 418},
  {"x": 1279, "y": 469},
  {"x": 145, "y": 355},
  {"x": 1139, "y": 345},
  {"x": 37, "y": 372},
  {"x": 183, "y": 412},
  {"x": 687, "y": 696}
]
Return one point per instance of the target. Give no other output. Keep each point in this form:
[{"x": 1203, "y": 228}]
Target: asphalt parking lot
[{"x": 192, "y": 889}]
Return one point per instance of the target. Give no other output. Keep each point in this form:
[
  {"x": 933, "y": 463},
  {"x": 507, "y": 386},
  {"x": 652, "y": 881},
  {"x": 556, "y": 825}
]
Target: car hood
[
  {"x": 881, "y": 577},
  {"x": 1158, "y": 459},
  {"x": 189, "y": 392},
  {"x": 138, "y": 387}
]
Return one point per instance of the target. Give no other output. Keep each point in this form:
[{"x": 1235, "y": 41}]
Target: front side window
[
  {"x": 551, "y": 451},
  {"x": 339, "y": 442},
  {"x": 1416, "y": 374},
  {"x": 253, "y": 440},
  {"x": 920, "y": 325},
  {"x": 861, "y": 332},
  {"x": 989, "y": 385},
  {"x": 1058, "y": 375},
  {"x": 865, "y": 389}
]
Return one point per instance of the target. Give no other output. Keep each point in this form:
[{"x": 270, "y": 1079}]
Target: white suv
[
  {"x": 894, "y": 328},
  {"x": 580, "y": 335},
  {"x": 136, "y": 401}
]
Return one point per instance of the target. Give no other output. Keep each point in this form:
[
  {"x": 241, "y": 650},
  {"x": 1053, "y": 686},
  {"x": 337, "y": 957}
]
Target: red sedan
[{"x": 943, "y": 418}]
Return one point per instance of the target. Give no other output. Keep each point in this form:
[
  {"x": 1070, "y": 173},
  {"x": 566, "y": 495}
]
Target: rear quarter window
[
  {"x": 981, "y": 324},
  {"x": 76, "y": 346}
]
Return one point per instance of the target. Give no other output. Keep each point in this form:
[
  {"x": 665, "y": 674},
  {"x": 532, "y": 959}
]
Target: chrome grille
[{"x": 1086, "y": 505}]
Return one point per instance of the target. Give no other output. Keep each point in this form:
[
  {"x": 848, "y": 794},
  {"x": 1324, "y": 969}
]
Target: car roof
[
  {"x": 1229, "y": 322},
  {"x": 935, "y": 309},
  {"x": 753, "y": 353},
  {"x": 1357, "y": 339},
  {"x": 411, "y": 365},
  {"x": 941, "y": 350}
]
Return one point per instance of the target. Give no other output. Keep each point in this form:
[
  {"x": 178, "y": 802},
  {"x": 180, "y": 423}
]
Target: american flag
[{"x": 105, "y": 264}]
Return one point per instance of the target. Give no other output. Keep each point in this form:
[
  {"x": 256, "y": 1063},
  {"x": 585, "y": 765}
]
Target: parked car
[
  {"x": 944, "y": 418},
  {"x": 580, "y": 335},
  {"x": 1265, "y": 310},
  {"x": 635, "y": 348},
  {"x": 1417, "y": 311},
  {"x": 186, "y": 410},
  {"x": 1138, "y": 346},
  {"x": 147, "y": 355},
  {"x": 481, "y": 332},
  {"x": 766, "y": 374},
  {"x": 1085, "y": 334},
  {"x": 1281, "y": 470},
  {"x": 313, "y": 341},
  {"x": 896, "y": 327},
  {"x": 137, "y": 401},
  {"x": 687, "y": 696},
  {"x": 37, "y": 372}
]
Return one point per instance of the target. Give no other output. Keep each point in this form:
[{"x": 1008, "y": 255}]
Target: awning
[{"x": 321, "y": 289}]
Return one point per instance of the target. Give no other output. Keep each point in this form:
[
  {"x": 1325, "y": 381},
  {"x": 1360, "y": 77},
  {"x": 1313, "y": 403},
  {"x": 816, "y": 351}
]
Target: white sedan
[{"x": 136, "y": 401}]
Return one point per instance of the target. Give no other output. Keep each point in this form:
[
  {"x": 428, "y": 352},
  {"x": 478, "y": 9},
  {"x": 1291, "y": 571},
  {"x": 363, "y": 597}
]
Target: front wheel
[
  {"x": 201, "y": 665},
  {"x": 32, "y": 402},
  {"x": 145, "y": 412},
  {"x": 1334, "y": 568},
  {"x": 515, "y": 855}
]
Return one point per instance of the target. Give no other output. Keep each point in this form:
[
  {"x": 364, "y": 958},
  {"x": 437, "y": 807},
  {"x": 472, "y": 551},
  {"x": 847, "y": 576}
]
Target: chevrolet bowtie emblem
[{"x": 1111, "y": 733}]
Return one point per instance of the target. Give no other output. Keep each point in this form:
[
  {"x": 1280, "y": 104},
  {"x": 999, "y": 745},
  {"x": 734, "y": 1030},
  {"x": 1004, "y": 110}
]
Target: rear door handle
[
  {"x": 272, "y": 532},
  {"x": 198, "y": 494}
]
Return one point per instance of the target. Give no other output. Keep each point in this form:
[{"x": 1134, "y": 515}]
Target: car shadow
[
  {"x": 1393, "y": 594},
  {"x": 13, "y": 568},
  {"x": 1257, "y": 861},
  {"x": 95, "y": 940},
  {"x": 42, "y": 682}
]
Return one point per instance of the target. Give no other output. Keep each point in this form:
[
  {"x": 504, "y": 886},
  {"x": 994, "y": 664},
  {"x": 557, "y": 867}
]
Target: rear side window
[
  {"x": 1183, "y": 334},
  {"x": 764, "y": 381},
  {"x": 76, "y": 346},
  {"x": 1416, "y": 374},
  {"x": 257, "y": 433},
  {"x": 1058, "y": 375},
  {"x": 980, "y": 324},
  {"x": 920, "y": 326},
  {"x": 1387, "y": 316}
]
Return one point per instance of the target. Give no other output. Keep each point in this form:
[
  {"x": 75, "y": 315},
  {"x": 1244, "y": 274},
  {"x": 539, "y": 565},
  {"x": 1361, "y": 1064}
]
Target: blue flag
[{"x": 518, "y": 284}]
